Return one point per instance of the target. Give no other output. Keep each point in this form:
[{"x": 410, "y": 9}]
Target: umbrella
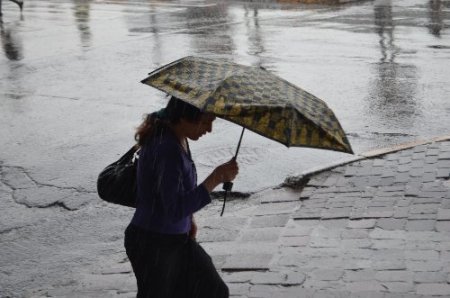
[{"x": 253, "y": 98}]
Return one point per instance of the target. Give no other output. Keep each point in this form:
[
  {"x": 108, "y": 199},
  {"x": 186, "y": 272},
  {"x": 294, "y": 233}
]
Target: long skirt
[{"x": 171, "y": 266}]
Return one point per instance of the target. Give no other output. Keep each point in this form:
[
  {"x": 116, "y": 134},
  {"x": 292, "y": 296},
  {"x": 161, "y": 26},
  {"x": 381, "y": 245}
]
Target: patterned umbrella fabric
[{"x": 253, "y": 98}]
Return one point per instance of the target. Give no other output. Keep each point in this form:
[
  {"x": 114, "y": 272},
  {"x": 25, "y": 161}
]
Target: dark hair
[{"x": 171, "y": 114}]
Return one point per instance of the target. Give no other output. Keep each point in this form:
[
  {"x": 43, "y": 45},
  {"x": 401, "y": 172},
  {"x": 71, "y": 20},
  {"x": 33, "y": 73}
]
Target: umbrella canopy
[{"x": 253, "y": 98}]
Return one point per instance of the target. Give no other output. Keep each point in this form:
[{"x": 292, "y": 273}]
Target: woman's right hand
[
  {"x": 224, "y": 173},
  {"x": 227, "y": 172}
]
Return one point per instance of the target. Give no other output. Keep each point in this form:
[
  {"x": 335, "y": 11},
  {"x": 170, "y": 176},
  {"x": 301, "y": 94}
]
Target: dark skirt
[{"x": 171, "y": 266}]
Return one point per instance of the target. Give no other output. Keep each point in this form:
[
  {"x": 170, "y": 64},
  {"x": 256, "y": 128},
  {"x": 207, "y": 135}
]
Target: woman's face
[{"x": 195, "y": 130}]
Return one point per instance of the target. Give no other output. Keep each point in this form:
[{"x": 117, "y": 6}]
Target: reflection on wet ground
[
  {"x": 380, "y": 65},
  {"x": 11, "y": 44}
]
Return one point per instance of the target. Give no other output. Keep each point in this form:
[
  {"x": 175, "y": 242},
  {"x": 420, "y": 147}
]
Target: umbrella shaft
[{"x": 239, "y": 144}]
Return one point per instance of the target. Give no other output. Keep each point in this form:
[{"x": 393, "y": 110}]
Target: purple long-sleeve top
[{"x": 167, "y": 191}]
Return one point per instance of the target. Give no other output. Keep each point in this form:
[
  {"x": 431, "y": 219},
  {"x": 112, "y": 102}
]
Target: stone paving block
[
  {"x": 398, "y": 287},
  {"x": 378, "y": 233},
  {"x": 443, "y": 164},
  {"x": 422, "y": 245},
  {"x": 269, "y": 221},
  {"x": 356, "y": 243},
  {"x": 327, "y": 274},
  {"x": 235, "y": 247},
  {"x": 294, "y": 241},
  {"x": 424, "y": 266},
  {"x": 389, "y": 265},
  {"x": 334, "y": 224},
  {"x": 440, "y": 289},
  {"x": 247, "y": 262},
  {"x": 443, "y": 226},
  {"x": 391, "y": 223},
  {"x": 363, "y": 286},
  {"x": 428, "y": 177},
  {"x": 388, "y": 244},
  {"x": 445, "y": 204},
  {"x": 208, "y": 235},
  {"x": 331, "y": 294},
  {"x": 378, "y": 212},
  {"x": 276, "y": 208},
  {"x": 294, "y": 278},
  {"x": 313, "y": 204},
  {"x": 297, "y": 229},
  {"x": 238, "y": 289},
  {"x": 279, "y": 195},
  {"x": 428, "y": 236},
  {"x": 359, "y": 275},
  {"x": 332, "y": 213},
  {"x": 404, "y": 202},
  {"x": 357, "y": 253},
  {"x": 361, "y": 223},
  {"x": 263, "y": 291},
  {"x": 420, "y": 200},
  {"x": 445, "y": 256},
  {"x": 258, "y": 235},
  {"x": 368, "y": 294},
  {"x": 443, "y": 173},
  {"x": 355, "y": 234},
  {"x": 430, "y": 277},
  {"x": 402, "y": 177},
  {"x": 268, "y": 278},
  {"x": 324, "y": 242},
  {"x": 379, "y": 202},
  {"x": 424, "y": 208},
  {"x": 444, "y": 155},
  {"x": 431, "y": 159},
  {"x": 293, "y": 260},
  {"x": 292, "y": 292},
  {"x": 443, "y": 214},
  {"x": 418, "y": 216},
  {"x": 420, "y": 225},
  {"x": 422, "y": 255},
  {"x": 238, "y": 277},
  {"x": 307, "y": 215},
  {"x": 352, "y": 264}
]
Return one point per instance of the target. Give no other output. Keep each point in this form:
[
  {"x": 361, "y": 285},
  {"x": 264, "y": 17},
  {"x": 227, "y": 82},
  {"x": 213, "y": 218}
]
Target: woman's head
[
  {"x": 177, "y": 109},
  {"x": 186, "y": 119}
]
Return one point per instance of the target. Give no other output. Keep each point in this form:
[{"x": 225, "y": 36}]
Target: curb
[{"x": 367, "y": 155}]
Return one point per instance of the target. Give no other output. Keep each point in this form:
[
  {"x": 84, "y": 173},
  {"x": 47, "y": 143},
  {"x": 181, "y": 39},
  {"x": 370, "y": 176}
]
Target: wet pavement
[
  {"x": 70, "y": 99},
  {"x": 378, "y": 226},
  {"x": 70, "y": 73}
]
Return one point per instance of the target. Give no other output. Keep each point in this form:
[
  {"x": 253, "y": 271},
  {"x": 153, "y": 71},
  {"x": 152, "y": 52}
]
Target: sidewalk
[{"x": 377, "y": 227}]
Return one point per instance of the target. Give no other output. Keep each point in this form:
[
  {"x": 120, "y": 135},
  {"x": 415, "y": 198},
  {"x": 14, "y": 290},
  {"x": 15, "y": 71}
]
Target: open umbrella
[{"x": 253, "y": 98}]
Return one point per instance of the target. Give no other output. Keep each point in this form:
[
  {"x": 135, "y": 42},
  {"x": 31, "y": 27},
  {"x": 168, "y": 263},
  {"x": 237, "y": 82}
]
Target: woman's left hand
[{"x": 193, "y": 231}]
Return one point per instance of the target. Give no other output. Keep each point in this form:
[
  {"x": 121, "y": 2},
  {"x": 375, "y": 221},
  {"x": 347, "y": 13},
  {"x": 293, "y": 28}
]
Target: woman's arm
[{"x": 223, "y": 173}]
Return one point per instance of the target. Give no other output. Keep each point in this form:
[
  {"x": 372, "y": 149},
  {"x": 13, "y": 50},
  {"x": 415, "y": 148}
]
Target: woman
[{"x": 160, "y": 240}]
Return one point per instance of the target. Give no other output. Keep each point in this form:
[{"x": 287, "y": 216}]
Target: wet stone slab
[
  {"x": 269, "y": 221},
  {"x": 247, "y": 262}
]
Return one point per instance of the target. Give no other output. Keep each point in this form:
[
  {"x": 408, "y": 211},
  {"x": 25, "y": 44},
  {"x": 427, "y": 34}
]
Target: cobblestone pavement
[{"x": 376, "y": 227}]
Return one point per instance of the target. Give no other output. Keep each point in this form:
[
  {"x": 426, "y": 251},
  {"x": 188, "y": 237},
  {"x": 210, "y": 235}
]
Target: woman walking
[{"x": 160, "y": 240}]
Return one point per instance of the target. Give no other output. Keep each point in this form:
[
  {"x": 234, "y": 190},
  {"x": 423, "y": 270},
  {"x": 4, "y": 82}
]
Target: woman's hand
[{"x": 224, "y": 173}]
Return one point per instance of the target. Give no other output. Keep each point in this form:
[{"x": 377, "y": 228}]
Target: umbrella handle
[{"x": 227, "y": 186}]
